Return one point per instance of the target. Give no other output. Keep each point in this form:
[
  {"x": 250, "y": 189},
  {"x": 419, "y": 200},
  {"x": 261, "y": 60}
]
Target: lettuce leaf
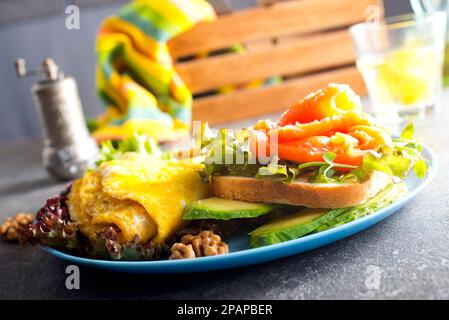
[
  {"x": 222, "y": 149},
  {"x": 139, "y": 143},
  {"x": 408, "y": 132},
  {"x": 228, "y": 153},
  {"x": 54, "y": 228},
  {"x": 276, "y": 171},
  {"x": 108, "y": 246},
  {"x": 403, "y": 156}
]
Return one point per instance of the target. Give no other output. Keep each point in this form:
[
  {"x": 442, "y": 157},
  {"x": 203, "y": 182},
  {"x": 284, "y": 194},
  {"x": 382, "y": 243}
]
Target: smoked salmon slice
[
  {"x": 312, "y": 149},
  {"x": 328, "y": 120},
  {"x": 336, "y": 123},
  {"x": 333, "y": 100},
  {"x": 370, "y": 137}
]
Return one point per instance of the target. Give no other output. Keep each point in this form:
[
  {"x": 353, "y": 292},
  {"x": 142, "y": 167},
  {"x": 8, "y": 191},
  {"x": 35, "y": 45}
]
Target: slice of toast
[{"x": 300, "y": 192}]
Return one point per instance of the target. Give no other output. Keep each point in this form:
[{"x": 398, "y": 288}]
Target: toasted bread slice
[{"x": 300, "y": 192}]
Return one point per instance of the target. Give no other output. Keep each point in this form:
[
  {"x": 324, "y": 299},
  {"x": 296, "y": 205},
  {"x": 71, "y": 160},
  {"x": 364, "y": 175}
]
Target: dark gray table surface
[{"x": 404, "y": 256}]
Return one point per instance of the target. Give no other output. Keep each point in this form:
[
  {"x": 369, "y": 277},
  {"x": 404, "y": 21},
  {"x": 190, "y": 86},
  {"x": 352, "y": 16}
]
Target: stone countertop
[{"x": 403, "y": 257}]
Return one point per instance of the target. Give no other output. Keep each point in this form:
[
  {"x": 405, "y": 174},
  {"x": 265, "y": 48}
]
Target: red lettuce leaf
[{"x": 54, "y": 228}]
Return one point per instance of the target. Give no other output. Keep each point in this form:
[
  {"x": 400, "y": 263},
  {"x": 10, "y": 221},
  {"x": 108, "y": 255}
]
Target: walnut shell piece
[
  {"x": 206, "y": 243},
  {"x": 182, "y": 251},
  {"x": 11, "y": 229}
]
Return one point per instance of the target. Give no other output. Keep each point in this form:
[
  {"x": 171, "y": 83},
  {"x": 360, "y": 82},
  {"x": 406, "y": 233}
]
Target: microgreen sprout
[{"x": 326, "y": 167}]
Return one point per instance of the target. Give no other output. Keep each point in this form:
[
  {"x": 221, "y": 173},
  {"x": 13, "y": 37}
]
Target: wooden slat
[
  {"x": 283, "y": 18},
  {"x": 299, "y": 56},
  {"x": 250, "y": 103}
]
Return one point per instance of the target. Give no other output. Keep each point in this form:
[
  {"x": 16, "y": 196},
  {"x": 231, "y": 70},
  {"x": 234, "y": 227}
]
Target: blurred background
[{"x": 34, "y": 30}]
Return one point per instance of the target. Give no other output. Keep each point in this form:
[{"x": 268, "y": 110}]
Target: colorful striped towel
[{"x": 135, "y": 73}]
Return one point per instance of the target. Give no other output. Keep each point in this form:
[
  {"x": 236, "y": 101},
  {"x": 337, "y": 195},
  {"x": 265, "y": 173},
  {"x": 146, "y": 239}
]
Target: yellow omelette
[{"x": 141, "y": 195}]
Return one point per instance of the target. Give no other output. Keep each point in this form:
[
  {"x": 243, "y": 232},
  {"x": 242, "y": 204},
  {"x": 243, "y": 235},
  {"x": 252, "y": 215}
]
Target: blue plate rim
[{"x": 159, "y": 264}]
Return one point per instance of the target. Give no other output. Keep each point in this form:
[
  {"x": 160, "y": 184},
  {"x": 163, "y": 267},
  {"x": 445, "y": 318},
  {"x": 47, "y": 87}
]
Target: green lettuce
[
  {"x": 140, "y": 143},
  {"x": 403, "y": 156},
  {"x": 396, "y": 160},
  {"x": 227, "y": 153},
  {"x": 276, "y": 171}
]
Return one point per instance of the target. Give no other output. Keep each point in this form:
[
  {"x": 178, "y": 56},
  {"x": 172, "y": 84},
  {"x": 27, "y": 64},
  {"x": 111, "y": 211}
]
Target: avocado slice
[
  {"x": 292, "y": 226},
  {"x": 223, "y": 209}
]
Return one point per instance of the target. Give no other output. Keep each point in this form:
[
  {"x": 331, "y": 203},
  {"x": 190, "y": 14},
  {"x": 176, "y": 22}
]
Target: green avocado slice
[{"x": 223, "y": 209}]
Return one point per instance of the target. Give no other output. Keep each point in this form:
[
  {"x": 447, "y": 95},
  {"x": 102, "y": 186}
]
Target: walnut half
[
  {"x": 206, "y": 243},
  {"x": 182, "y": 251},
  {"x": 13, "y": 227}
]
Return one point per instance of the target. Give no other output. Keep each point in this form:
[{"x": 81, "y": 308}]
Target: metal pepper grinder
[{"x": 68, "y": 150}]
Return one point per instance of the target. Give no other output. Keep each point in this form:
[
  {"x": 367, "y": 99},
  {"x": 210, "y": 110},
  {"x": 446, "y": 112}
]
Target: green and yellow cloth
[{"x": 135, "y": 73}]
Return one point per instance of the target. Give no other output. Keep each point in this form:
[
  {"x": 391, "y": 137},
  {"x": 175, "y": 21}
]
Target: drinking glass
[
  {"x": 421, "y": 7},
  {"x": 401, "y": 62}
]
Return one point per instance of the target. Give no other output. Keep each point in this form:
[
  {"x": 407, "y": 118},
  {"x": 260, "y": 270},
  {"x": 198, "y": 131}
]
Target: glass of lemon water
[{"x": 401, "y": 62}]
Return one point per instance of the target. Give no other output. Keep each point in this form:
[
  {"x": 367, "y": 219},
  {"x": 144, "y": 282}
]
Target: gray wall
[
  {"x": 34, "y": 39},
  {"x": 35, "y": 29}
]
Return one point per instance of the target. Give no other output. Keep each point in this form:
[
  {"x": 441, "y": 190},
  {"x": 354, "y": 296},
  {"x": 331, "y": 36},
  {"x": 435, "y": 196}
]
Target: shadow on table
[
  {"x": 205, "y": 285},
  {"x": 247, "y": 282}
]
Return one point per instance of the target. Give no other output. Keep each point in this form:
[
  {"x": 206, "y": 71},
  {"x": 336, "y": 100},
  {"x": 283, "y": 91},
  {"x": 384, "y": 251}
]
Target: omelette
[{"x": 141, "y": 195}]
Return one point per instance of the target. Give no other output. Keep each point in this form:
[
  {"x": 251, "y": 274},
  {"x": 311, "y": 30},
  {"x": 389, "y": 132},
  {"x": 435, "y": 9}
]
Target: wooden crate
[{"x": 304, "y": 41}]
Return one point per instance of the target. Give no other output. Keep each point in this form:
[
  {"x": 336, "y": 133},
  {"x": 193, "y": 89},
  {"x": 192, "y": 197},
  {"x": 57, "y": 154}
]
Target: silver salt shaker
[{"x": 68, "y": 149}]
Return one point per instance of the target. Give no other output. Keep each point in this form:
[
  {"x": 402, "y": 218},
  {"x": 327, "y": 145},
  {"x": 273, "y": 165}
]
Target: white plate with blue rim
[{"x": 242, "y": 255}]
